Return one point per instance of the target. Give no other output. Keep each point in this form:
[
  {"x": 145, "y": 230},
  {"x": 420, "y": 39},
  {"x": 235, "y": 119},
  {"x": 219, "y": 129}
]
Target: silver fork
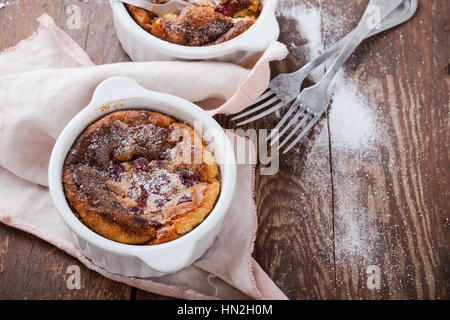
[
  {"x": 160, "y": 9},
  {"x": 285, "y": 88},
  {"x": 314, "y": 100}
]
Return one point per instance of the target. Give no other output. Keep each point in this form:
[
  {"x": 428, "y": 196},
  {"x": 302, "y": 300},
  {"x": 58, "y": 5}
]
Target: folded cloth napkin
[{"x": 46, "y": 79}]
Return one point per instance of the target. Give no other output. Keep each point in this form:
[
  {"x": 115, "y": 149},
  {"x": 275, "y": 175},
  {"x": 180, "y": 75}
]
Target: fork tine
[
  {"x": 279, "y": 105},
  {"x": 293, "y": 120},
  {"x": 297, "y": 116},
  {"x": 262, "y": 106},
  {"x": 294, "y": 131},
  {"x": 303, "y": 133},
  {"x": 258, "y": 100},
  {"x": 262, "y": 97},
  {"x": 283, "y": 120}
]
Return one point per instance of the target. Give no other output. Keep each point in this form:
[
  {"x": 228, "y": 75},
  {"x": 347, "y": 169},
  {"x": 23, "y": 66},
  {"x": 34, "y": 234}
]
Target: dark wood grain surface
[{"x": 309, "y": 242}]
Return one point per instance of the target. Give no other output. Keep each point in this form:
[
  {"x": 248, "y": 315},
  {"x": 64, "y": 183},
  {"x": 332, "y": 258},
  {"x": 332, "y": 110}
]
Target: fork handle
[
  {"x": 359, "y": 34},
  {"x": 336, "y": 48}
]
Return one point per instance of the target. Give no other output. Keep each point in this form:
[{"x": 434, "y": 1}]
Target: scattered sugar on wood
[
  {"x": 353, "y": 125},
  {"x": 354, "y": 132},
  {"x": 352, "y": 122},
  {"x": 309, "y": 23}
]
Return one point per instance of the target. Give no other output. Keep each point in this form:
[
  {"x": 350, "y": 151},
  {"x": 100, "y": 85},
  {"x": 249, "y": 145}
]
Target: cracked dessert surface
[
  {"x": 140, "y": 177},
  {"x": 208, "y": 22}
]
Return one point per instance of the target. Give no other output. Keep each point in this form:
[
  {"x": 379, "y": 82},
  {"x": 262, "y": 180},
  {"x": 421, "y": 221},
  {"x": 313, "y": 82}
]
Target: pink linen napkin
[{"x": 46, "y": 79}]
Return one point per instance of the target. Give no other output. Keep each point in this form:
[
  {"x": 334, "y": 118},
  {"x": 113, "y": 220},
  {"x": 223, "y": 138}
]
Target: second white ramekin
[
  {"x": 142, "y": 46},
  {"x": 131, "y": 260}
]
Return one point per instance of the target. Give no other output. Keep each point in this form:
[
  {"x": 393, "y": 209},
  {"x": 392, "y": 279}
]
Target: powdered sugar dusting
[
  {"x": 309, "y": 21},
  {"x": 153, "y": 189},
  {"x": 353, "y": 126},
  {"x": 354, "y": 131}
]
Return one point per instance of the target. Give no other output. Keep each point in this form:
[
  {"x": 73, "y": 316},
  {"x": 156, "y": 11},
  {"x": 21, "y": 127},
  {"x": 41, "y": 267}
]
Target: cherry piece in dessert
[
  {"x": 142, "y": 199},
  {"x": 156, "y": 224},
  {"x": 184, "y": 199},
  {"x": 160, "y": 183},
  {"x": 115, "y": 170},
  {"x": 142, "y": 164},
  {"x": 188, "y": 178},
  {"x": 226, "y": 9},
  {"x": 161, "y": 202}
]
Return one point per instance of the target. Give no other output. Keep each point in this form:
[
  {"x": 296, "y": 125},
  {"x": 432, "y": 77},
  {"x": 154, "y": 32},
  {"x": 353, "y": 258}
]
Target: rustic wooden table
[{"x": 312, "y": 242}]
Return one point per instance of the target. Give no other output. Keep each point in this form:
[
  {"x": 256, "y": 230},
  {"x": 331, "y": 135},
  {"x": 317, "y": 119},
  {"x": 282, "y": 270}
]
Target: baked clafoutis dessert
[
  {"x": 140, "y": 177},
  {"x": 208, "y": 22}
]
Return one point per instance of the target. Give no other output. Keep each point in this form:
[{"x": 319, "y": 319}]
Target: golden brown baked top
[
  {"x": 140, "y": 177},
  {"x": 208, "y": 22}
]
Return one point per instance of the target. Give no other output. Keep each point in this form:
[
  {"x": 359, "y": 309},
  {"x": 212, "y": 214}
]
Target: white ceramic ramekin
[
  {"x": 142, "y": 46},
  {"x": 131, "y": 260}
]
